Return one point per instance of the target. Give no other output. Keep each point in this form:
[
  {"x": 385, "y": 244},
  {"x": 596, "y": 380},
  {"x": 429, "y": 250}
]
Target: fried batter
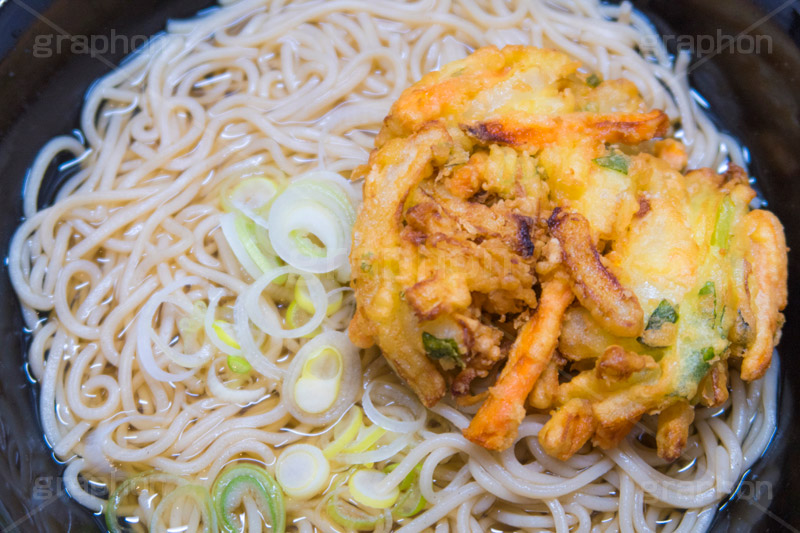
[
  {"x": 427, "y": 260},
  {"x": 503, "y": 187},
  {"x": 495, "y": 425},
  {"x": 673, "y": 430},
  {"x": 598, "y": 290},
  {"x": 698, "y": 282},
  {"x": 569, "y": 429}
]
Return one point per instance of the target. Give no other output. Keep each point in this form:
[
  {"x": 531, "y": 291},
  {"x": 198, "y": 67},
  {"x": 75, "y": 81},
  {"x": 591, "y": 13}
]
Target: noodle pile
[{"x": 122, "y": 275}]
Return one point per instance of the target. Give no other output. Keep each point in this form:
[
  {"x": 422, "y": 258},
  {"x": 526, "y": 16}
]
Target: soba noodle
[{"x": 274, "y": 89}]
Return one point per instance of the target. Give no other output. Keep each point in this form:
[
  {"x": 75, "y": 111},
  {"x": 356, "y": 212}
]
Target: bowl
[{"x": 746, "y": 69}]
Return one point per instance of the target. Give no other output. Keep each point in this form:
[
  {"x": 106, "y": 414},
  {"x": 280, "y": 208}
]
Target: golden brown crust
[
  {"x": 380, "y": 317},
  {"x": 546, "y": 387},
  {"x": 568, "y": 429},
  {"x": 713, "y": 390},
  {"x": 673, "y": 430},
  {"x": 427, "y": 261},
  {"x": 532, "y": 132},
  {"x": 495, "y": 425},
  {"x": 611, "y": 304},
  {"x": 674, "y": 276},
  {"x": 617, "y": 365},
  {"x": 768, "y": 289}
]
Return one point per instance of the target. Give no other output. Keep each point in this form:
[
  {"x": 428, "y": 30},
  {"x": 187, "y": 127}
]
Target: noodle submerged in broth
[{"x": 188, "y": 290}]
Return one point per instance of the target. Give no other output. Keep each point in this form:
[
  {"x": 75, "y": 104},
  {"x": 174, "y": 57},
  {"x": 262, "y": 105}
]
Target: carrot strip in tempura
[{"x": 495, "y": 424}]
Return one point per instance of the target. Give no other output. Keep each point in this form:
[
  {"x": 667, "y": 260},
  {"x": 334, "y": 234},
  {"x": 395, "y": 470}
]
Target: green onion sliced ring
[
  {"x": 376, "y": 455},
  {"x": 310, "y": 222},
  {"x": 240, "y": 234},
  {"x": 239, "y": 396},
  {"x": 151, "y": 482},
  {"x": 328, "y": 369},
  {"x": 318, "y": 385},
  {"x": 348, "y": 515},
  {"x": 239, "y": 365},
  {"x": 240, "y": 480},
  {"x": 252, "y": 198},
  {"x": 364, "y": 488},
  {"x": 302, "y": 471},
  {"x": 199, "y": 495},
  {"x": 410, "y": 478},
  {"x": 345, "y": 433},
  {"x": 266, "y": 317},
  {"x": 411, "y": 501},
  {"x": 367, "y": 438}
]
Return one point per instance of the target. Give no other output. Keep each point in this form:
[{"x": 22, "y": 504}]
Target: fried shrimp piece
[
  {"x": 523, "y": 97},
  {"x": 616, "y": 308},
  {"x": 487, "y": 83},
  {"x": 495, "y": 425}
]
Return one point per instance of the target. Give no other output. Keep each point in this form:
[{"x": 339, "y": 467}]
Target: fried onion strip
[
  {"x": 673, "y": 430},
  {"x": 598, "y": 290},
  {"x": 568, "y": 429},
  {"x": 767, "y": 285},
  {"x": 394, "y": 170},
  {"x": 713, "y": 389}
]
